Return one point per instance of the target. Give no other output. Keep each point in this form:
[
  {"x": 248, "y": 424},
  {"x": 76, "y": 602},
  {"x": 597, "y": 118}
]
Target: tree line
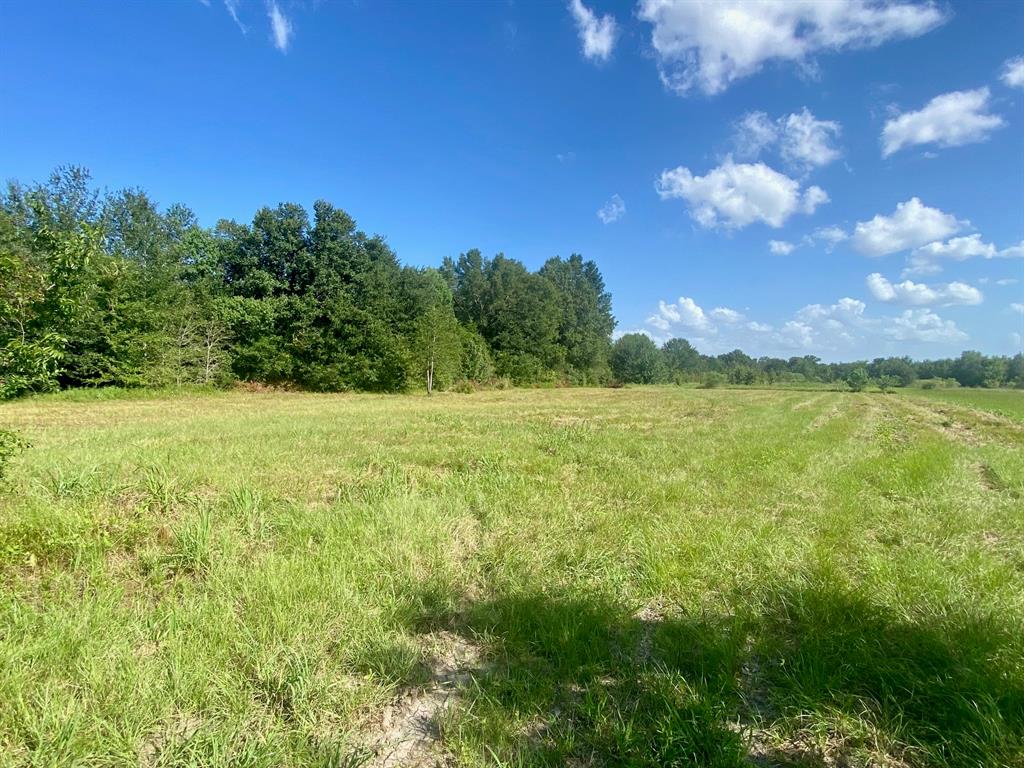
[
  {"x": 635, "y": 358},
  {"x": 107, "y": 289}
]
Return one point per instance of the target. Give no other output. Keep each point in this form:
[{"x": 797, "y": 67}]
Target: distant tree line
[
  {"x": 109, "y": 290},
  {"x": 106, "y": 289},
  {"x": 637, "y": 359}
]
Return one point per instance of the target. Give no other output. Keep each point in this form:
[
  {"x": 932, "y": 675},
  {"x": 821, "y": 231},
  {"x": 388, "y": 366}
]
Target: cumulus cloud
[
  {"x": 597, "y": 34},
  {"x": 830, "y": 236},
  {"x": 923, "y": 325},
  {"x": 780, "y": 247},
  {"x": 613, "y": 210},
  {"x": 280, "y": 27},
  {"x": 1013, "y": 72},
  {"x": 709, "y": 44},
  {"x": 926, "y": 259},
  {"x": 803, "y": 141},
  {"x": 734, "y": 195},
  {"x": 919, "y": 294},
  {"x": 726, "y": 315},
  {"x": 685, "y": 312},
  {"x": 949, "y": 120},
  {"x": 911, "y": 225},
  {"x": 844, "y": 327}
]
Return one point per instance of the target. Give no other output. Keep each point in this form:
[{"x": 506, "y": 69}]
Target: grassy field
[
  {"x": 1004, "y": 402},
  {"x": 644, "y": 577}
]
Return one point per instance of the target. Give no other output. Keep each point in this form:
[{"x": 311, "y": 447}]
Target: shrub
[
  {"x": 712, "y": 380},
  {"x": 858, "y": 379},
  {"x": 11, "y": 444},
  {"x": 888, "y": 383},
  {"x": 463, "y": 387}
]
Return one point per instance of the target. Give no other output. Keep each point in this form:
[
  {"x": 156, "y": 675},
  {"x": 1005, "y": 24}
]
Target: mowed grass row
[{"x": 652, "y": 576}]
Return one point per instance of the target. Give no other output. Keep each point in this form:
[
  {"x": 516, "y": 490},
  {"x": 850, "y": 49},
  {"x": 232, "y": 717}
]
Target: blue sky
[{"x": 880, "y": 145}]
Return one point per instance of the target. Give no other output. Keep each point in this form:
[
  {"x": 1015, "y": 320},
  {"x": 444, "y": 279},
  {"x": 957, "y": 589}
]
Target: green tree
[
  {"x": 585, "y": 323},
  {"x": 969, "y": 369},
  {"x": 858, "y": 379},
  {"x": 636, "y": 359}
]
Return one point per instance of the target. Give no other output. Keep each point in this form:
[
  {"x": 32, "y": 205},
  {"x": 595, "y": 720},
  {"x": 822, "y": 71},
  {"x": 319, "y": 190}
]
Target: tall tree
[{"x": 585, "y": 324}]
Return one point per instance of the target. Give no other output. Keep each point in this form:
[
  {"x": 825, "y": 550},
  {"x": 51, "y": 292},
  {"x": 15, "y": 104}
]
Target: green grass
[
  {"x": 1005, "y": 402},
  {"x": 648, "y": 576}
]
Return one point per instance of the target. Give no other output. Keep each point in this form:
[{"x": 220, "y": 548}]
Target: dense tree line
[
  {"x": 635, "y": 358},
  {"x": 107, "y": 289}
]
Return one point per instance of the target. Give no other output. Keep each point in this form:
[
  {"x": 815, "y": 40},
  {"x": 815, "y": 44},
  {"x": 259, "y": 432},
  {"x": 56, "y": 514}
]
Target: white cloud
[
  {"x": 949, "y": 120},
  {"x": 780, "y": 247},
  {"x": 1007, "y": 281},
  {"x": 596, "y": 34},
  {"x": 726, "y": 315},
  {"x": 565, "y": 157},
  {"x": 846, "y": 309},
  {"x": 918, "y": 294},
  {"x": 807, "y": 141},
  {"x": 684, "y": 312},
  {"x": 754, "y": 133},
  {"x": 232, "y": 6},
  {"x": 813, "y": 197},
  {"x": 1013, "y": 72},
  {"x": 831, "y": 236},
  {"x": 613, "y": 210},
  {"x": 280, "y": 27},
  {"x": 803, "y": 141},
  {"x": 912, "y": 224},
  {"x": 1017, "y": 307},
  {"x": 925, "y": 260},
  {"x": 843, "y": 328},
  {"x": 709, "y": 44},
  {"x": 734, "y": 195},
  {"x": 923, "y": 325},
  {"x": 797, "y": 333}
]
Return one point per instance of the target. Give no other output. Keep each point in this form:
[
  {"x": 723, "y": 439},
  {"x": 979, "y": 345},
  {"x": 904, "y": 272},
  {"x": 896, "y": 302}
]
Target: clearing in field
[{"x": 644, "y": 577}]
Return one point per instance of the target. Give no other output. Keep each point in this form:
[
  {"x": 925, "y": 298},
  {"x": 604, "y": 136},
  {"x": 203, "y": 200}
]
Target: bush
[
  {"x": 858, "y": 379},
  {"x": 888, "y": 383},
  {"x": 712, "y": 380},
  {"x": 463, "y": 387},
  {"x": 11, "y": 444}
]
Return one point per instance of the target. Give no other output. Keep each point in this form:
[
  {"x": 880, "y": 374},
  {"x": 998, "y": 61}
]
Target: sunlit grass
[{"x": 653, "y": 576}]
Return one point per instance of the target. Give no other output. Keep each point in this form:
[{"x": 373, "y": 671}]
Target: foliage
[
  {"x": 11, "y": 444},
  {"x": 112, "y": 290},
  {"x": 636, "y": 359},
  {"x": 857, "y": 380}
]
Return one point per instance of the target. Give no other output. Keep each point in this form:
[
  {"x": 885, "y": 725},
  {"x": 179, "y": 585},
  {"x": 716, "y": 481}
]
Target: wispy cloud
[
  {"x": 232, "y": 6},
  {"x": 280, "y": 27}
]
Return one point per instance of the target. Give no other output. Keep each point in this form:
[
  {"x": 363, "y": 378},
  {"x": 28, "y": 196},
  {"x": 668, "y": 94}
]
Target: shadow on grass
[{"x": 821, "y": 677}]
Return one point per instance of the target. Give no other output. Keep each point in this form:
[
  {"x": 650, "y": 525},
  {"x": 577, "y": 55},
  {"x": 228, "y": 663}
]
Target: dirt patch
[
  {"x": 649, "y": 617},
  {"x": 177, "y": 730},
  {"x": 409, "y": 733}
]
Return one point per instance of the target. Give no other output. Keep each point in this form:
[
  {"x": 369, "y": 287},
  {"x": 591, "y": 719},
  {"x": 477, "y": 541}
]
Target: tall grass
[{"x": 651, "y": 576}]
